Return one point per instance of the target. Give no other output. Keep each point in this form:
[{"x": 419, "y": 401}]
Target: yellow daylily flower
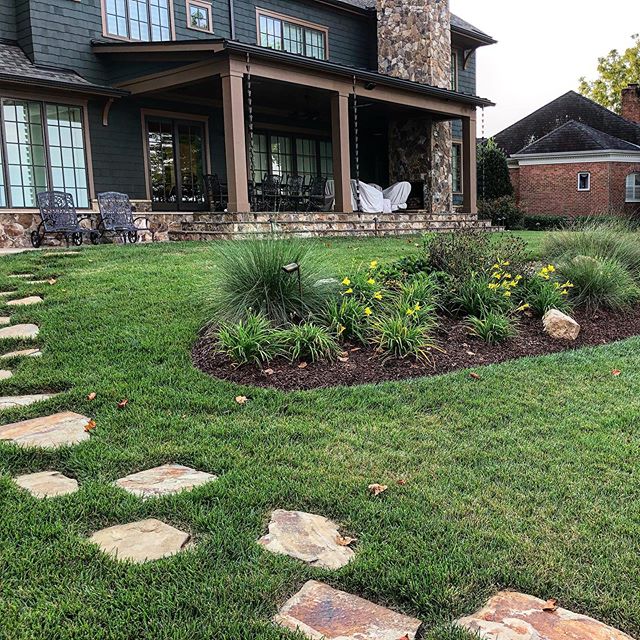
[
  {"x": 410, "y": 312},
  {"x": 507, "y": 294},
  {"x": 371, "y": 281},
  {"x": 348, "y": 291},
  {"x": 494, "y": 285},
  {"x": 524, "y": 307},
  {"x": 417, "y": 307},
  {"x": 367, "y": 311},
  {"x": 346, "y": 282},
  {"x": 378, "y": 295},
  {"x": 374, "y": 264},
  {"x": 341, "y": 329}
]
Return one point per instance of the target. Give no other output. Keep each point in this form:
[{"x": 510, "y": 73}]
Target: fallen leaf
[
  {"x": 470, "y": 353},
  {"x": 402, "y": 482},
  {"x": 550, "y": 605},
  {"x": 92, "y": 396},
  {"x": 268, "y": 372},
  {"x": 344, "y": 354},
  {"x": 90, "y": 425},
  {"x": 405, "y": 637},
  {"x": 616, "y": 372},
  {"x": 345, "y": 541},
  {"x": 242, "y": 399},
  {"x": 52, "y": 281},
  {"x": 377, "y": 489},
  {"x": 303, "y": 365},
  {"x": 343, "y": 359},
  {"x": 123, "y": 403},
  {"x": 475, "y": 376}
]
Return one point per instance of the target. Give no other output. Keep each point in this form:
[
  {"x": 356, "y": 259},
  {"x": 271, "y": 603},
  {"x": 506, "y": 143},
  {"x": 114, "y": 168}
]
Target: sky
[{"x": 544, "y": 47}]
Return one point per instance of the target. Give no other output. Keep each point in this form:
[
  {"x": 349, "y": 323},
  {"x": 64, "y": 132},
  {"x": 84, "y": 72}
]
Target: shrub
[
  {"x": 614, "y": 241},
  {"x": 492, "y": 327},
  {"x": 349, "y": 319},
  {"x": 541, "y": 295},
  {"x": 599, "y": 282},
  {"x": 404, "y": 268},
  {"x": 545, "y": 223},
  {"x": 249, "y": 340},
  {"x": 465, "y": 251},
  {"x": 502, "y": 212},
  {"x": 401, "y": 336},
  {"x": 251, "y": 279},
  {"x": 493, "y": 171},
  {"x": 309, "y": 341}
]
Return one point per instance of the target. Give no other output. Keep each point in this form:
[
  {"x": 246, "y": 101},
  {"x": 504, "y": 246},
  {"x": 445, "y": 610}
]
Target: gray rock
[{"x": 560, "y": 326}]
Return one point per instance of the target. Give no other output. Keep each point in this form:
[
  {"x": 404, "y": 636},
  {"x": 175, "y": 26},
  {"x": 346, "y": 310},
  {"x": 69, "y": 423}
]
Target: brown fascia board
[
  {"x": 471, "y": 39},
  {"x": 72, "y": 87}
]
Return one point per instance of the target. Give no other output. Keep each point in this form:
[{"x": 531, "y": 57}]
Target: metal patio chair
[
  {"x": 317, "y": 194},
  {"x": 216, "y": 192},
  {"x": 271, "y": 193},
  {"x": 59, "y": 217},
  {"x": 116, "y": 218},
  {"x": 294, "y": 192}
]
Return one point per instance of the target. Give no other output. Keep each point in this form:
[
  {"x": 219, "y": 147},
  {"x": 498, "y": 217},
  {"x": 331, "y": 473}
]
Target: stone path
[
  {"x": 6, "y": 294},
  {"x": 516, "y": 616},
  {"x": 22, "y": 353},
  {"x": 5, "y": 374},
  {"x": 48, "y": 432},
  {"x": 141, "y": 541},
  {"x": 5, "y": 320},
  {"x": 164, "y": 480},
  {"x": 319, "y": 611},
  {"x": 25, "y": 301},
  {"x": 21, "y": 275},
  {"x": 20, "y": 332},
  {"x": 9, "y": 402},
  {"x": 47, "y": 484},
  {"x": 307, "y": 537}
]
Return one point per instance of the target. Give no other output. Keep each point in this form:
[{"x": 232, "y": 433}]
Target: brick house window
[
  {"x": 142, "y": 20},
  {"x": 633, "y": 188},
  {"x": 44, "y": 149},
  {"x": 584, "y": 181},
  {"x": 199, "y": 16},
  {"x": 293, "y": 36}
]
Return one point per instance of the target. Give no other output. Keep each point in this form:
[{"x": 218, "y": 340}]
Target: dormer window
[
  {"x": 633, "y": 188},
  {"x": 291, "y": 35},
  {"x": 142, "y": 20},
  {"x": 584, "y": 181}
]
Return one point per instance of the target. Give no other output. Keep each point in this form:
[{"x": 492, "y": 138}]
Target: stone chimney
[
  {"x": 631, "y": 103},
  {"x": 414, "y": 40}
]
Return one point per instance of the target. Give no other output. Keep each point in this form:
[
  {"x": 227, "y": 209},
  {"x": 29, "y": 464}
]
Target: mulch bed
[{"x": 460, "y": 351}]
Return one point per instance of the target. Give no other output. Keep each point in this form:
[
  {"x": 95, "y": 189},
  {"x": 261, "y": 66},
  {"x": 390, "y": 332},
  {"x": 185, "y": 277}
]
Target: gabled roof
[
  {"x": 575, "y": 136},
  {"x": 570, "y": 106},
  {"x": 16, "y": 68}
]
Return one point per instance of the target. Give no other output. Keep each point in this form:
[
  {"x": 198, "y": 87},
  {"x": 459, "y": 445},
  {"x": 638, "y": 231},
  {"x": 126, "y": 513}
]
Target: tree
[
  {"x": 616, "y": 71},
  {"x": 493, "y": 172}
]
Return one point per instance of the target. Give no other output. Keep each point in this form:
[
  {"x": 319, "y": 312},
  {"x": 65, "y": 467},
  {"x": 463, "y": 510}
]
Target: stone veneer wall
[{"x": 414, "y": 43}]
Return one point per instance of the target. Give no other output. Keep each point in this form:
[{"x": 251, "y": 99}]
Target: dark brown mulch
[{"x": 460, "y": 351}]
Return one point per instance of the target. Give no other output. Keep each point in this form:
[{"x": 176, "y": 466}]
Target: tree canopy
[
  {"x": 615, "y": 72},
  {"x": 493, "y": 172}
]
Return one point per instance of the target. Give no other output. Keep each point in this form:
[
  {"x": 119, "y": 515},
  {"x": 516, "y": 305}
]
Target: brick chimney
[
  {"x": 631, "y": 103},
  {"x": 414, "y": 40}
]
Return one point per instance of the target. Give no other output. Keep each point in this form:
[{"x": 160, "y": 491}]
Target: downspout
[{"x": 232, "y": 19}]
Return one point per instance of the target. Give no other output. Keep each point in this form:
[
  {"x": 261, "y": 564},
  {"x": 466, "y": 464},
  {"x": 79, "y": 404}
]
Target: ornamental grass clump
[
  {"x": 309, "y": 341},
  {"x": 493, "y": 327},
  {"x": 251, "y": 340},
  {"x": 251, "y": 280},
  {"x": 542, "y": 292},
  {"x": 400, "y": 336}
]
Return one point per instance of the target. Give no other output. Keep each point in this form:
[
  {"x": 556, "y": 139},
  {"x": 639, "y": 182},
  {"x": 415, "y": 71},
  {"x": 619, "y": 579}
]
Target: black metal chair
[
  {"x": 116, "y": 217},
  {"x": 317, "y": 194},
  {"x": 59, "y": 217},
  {"x": 294, "y": 192},
  {"x": 216, "y": 192},
  {"x": 271, "y": 192}
]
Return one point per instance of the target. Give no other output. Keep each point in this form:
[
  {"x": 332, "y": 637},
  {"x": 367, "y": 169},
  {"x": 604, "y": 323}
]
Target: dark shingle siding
[
  {"x": 570, "y": 106},
  {"x": 8, "y": 20}
]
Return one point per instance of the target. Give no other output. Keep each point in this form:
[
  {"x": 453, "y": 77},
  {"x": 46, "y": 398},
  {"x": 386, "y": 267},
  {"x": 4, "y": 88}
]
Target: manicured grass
[{"x": 526, "y": 479}]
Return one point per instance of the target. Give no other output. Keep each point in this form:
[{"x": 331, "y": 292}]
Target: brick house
[
  {"x": 574, "y": 157},
  {"x": 148, "y": 97}
]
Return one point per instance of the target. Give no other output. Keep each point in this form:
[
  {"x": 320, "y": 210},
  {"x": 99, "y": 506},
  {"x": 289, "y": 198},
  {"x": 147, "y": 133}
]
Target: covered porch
[{"x": 287, "y": 118}]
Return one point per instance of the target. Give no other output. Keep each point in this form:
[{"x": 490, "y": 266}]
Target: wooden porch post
[
  {"x": 341, "y": 151},
  {"x": 469, "y": 166},
  {"x": 234, "y": 141}
]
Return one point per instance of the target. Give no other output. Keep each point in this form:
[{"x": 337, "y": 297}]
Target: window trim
[
  {"x": 460, "y": 144},
  {"x": 636, "y": 188},
  {"x": 588, "y": 174},
  {"x": 53, "y": 99},
  {"x": 455, "y": 69},
  {"x": 296, "y": 21},
  {"x": 105, "y": 29},
  {"x": 202, "y": 4}
]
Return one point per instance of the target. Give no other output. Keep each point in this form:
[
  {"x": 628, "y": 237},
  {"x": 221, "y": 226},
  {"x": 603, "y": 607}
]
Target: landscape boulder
[{"x": 560, "y": 326}]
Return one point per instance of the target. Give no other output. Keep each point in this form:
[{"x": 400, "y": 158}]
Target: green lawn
[{"x": 527, "y": 479}]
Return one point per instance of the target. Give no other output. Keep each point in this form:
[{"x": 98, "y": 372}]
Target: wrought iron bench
[
  {"x": 116, "y": 217},
  {"x": 59, "y": 217}
]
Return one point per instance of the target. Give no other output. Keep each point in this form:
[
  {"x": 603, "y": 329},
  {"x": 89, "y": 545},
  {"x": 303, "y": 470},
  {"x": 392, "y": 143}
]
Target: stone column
[
  {"x": 469, "y": 165},
  {"x": 234, "y": 141},
  {"x": 341, "y": 152}
]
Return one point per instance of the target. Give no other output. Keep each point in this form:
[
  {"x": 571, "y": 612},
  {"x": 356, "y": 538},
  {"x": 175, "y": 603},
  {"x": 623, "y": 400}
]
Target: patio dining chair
[
  {"x": 271, "y": 192},
  {"x": 216, "y": 192},
  {"x": 116, "y": 218},
  {"x": 293, "y": 193},
  {"x": 58, "y": 216},
  {"x": 317, "y": 194}
]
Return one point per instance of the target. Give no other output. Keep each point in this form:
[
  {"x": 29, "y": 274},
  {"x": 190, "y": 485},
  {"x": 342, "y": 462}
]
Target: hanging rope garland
[
  {"x": 484, "y": 157},
  {"x": 356, "y": 142},
  {"x": 252, "y": 159}
]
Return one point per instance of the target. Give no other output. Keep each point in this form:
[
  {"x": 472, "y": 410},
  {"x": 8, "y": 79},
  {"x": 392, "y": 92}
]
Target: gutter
[{"x": 88, "y": 89}]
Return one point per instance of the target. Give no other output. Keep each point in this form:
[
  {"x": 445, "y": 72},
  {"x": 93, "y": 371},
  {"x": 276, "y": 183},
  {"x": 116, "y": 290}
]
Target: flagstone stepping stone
[
  {"x": 307, "y": 537},
  {"x": 41, "y": 281},
  {"x": 22, "y": 275},
  {"x": 47, "y": 484},
  {"x": 5, "y": 320},
  {"x": 5, "y": 294},
  {"x": 9, "y": 402},
  {"x": 48, "y": 432},
  {"x": 30, "y": 353},
  {"x": 319, "y": 611},
  {"x": 517, "y": 616},
  {"x": 20, "y": 302},
  {"x": 141, "y": 541},
  {"x": 20, "y": 332},
  {"x": 5, "y": 374},
  {"x": 164, "y": 480}
]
